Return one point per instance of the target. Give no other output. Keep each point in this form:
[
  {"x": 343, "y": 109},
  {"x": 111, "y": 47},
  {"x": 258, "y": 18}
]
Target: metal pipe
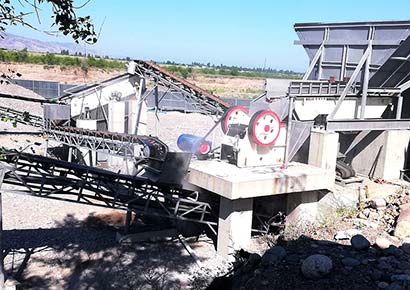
[{"x": 141, "y": 92}]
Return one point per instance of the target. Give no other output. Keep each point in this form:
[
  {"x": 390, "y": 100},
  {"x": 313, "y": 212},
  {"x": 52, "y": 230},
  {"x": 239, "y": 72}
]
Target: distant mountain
[{"x": 15, "y": 42}]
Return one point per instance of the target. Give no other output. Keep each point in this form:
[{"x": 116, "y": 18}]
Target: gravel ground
[{"x": 173, "y": 124}]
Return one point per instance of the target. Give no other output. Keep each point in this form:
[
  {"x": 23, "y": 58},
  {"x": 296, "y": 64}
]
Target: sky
[{"x": 231, "y": 32}]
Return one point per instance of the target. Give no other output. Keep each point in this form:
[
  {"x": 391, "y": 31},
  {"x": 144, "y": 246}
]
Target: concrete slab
[{"x": 232, "y": 182}]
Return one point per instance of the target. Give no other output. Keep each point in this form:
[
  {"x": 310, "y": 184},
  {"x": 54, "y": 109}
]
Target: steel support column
[
  {"x": 140, "y": 100},
  {"x": 399, "y": 106},
  {"x": 366, "y": 75}
]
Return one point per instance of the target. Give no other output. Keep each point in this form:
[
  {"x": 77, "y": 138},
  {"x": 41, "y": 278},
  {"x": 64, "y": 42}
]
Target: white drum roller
[{"x": 264, "y": 127}]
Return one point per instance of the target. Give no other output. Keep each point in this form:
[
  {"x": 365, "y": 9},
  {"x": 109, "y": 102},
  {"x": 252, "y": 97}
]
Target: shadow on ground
[{"x": 85, "y": 255}]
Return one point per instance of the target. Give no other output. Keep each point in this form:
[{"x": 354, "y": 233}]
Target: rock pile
[
  {"x": 385, "y": 213},
  {"x": 370, "y": 251},
  {"x": 311, "y": 264}
]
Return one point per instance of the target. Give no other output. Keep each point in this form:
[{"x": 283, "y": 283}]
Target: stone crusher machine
[{"x": 253, "y": 137}]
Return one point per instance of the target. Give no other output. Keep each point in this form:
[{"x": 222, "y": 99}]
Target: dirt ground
[
  {"x": 223, "y": 86},
  {"x": 66, "y": 75}
]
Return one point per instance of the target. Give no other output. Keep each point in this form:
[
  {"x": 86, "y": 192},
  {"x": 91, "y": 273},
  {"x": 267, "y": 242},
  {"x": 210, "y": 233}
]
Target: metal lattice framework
[
  {"x": 61, "y": 180},
  {"x": 202, "y": 100},
  {"x": 117, "y": 144}
]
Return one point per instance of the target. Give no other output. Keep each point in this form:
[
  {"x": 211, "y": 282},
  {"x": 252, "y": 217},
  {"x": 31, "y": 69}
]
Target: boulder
[
  {"x": 316, "y": 266},
  {"x": 378, "y": 203},
  {"x": 359, "y": 242},
  {"x": 383, "y": 243}
]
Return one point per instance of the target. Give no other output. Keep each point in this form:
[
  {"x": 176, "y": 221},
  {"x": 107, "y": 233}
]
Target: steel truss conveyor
[
  {"x": 204, "y": 101},
  {"x": 61, "y": 180},
  {"x": 117, "y": 144}
]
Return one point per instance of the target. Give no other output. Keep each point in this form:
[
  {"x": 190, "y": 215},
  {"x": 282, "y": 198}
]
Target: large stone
[
  {"x": 316, "y": 266},
  {"x": 383, "y": 243},
  {"x": 359, "y": 242},
  {"x": 378, "y": 203},
  {"x": 403, "y": 223}
]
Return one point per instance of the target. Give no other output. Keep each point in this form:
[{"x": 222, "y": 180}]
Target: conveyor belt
[
  {"x": 199, "y": 98},
  {"x": 56, "y": 179},
  {"x": 114, "y": 143},
  {"x": 60, "y": 180}
]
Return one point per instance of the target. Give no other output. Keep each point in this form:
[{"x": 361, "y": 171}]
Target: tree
[{"x": 64, "y": 15}]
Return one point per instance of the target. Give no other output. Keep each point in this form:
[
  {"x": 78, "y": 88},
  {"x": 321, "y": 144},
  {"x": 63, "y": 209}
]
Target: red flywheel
[{"x": 264, "y": 127}]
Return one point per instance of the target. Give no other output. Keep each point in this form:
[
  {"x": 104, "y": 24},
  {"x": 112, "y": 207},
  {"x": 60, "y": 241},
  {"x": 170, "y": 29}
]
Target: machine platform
[{"x": 232, "y": 182}]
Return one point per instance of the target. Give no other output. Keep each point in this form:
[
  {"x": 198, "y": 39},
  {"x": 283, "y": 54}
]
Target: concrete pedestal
[
  {"x": 323, "y": 149},
  {"x": 237, "y": 188},
  {"x": 234, "y": 226}
]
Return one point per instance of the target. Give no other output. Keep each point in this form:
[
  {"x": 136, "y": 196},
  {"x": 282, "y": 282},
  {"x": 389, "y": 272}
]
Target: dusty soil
[
  {"x": 67, "y": 75},
  {"x": 230, "y": 87},
  {"x": 224, "y": 86}
]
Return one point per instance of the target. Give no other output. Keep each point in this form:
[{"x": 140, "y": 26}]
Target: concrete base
[
  {"x": 237, "y": 188},
  {"x": 234, "y": 226},
  {"x": 231, "y": 182},
  {"x": 379, "y": 154},
  {"x": 323, "y": 149}
]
